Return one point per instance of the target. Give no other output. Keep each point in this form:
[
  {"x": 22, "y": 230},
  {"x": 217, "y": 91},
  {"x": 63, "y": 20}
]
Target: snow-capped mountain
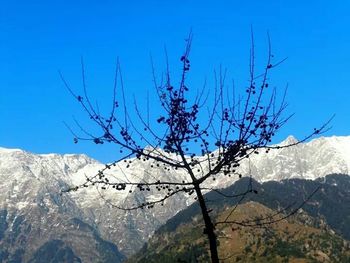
[
  {"x": 37, "y": 223},
  {"x": 33, "y": 211},
  {"x": 311, "y": 160}
]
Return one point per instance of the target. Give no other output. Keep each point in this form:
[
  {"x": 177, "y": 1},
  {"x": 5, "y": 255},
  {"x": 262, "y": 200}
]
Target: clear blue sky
[{"x": 38, "y": 38}]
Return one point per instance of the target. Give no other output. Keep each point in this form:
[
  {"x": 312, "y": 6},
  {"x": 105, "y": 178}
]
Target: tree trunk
[{"x": 209, "y": 227}]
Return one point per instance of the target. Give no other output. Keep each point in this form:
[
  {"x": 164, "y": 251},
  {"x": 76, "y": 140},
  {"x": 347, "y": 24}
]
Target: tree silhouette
[{"x": 204, "y": 134}]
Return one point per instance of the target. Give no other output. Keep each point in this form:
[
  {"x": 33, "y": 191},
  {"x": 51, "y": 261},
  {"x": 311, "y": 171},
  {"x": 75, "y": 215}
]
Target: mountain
[
  {"x": 330, "y": 202},
  {"x": 295, "y": 239},
  {"x": 34, "y": 212},
  {"x": 32, "y": 206},
  {"x": 37, "y": 223},
  {"x": 319, "y": 232},
  {"x": 311, "y": 160}
]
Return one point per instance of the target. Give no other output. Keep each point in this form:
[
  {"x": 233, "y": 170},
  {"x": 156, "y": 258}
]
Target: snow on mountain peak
[
  {"x": 7, "y": 150},
  {"x": 311, "y": 159},
  {"x": 28, "y": 180},
  {"x": 289, "y": 140}
]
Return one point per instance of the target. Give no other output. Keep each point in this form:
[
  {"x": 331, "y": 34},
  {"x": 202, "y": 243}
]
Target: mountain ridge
[
  {"x": 294, "y": 239},
  {"x": 35, "y": 181}
]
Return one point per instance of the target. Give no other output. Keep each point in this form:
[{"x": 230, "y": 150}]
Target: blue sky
[{"x": 38, "y": 38}]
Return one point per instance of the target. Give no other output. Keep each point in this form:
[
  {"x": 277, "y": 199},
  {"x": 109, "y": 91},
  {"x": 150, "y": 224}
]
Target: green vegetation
[
  {"x": 325, "y": 203},
  {"x": 287, "y": 241}
]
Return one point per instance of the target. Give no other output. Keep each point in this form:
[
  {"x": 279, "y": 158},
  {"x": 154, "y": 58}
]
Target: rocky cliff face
[
  {"x": 37, "y": 222},
  {"x": 33, "y": 212},
  {"x": 311, "y": 160}
]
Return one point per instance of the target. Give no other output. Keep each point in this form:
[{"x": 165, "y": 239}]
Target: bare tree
[{"x": 205, "y": 133}]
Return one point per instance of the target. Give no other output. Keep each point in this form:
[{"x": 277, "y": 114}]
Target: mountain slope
[
  {"x": 292, "y": 240},
  {"x": 317, "y": 158},
  {"x": 30, "y": 186},
  {"x": 331, "y": 202},
  {"x": 36, "y": 220}
]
